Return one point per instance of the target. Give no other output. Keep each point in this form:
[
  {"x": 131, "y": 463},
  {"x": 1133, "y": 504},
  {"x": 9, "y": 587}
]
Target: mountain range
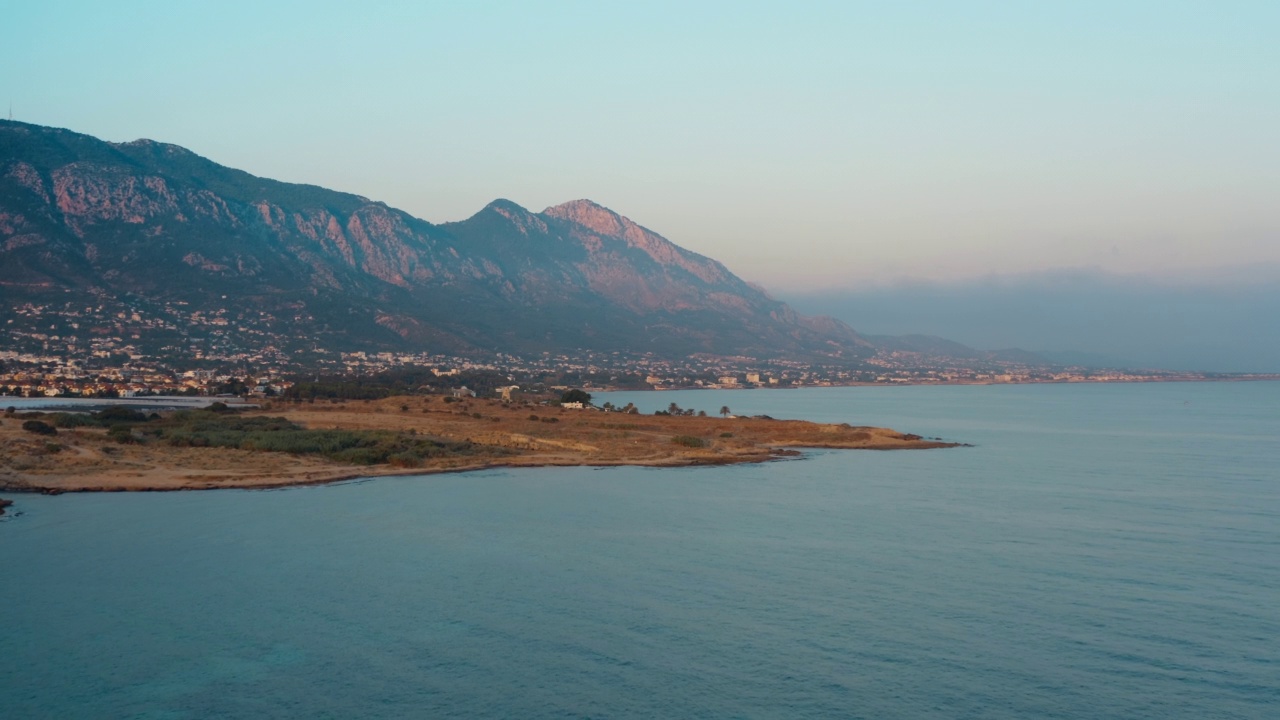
[{"x": 87, "y": 221}]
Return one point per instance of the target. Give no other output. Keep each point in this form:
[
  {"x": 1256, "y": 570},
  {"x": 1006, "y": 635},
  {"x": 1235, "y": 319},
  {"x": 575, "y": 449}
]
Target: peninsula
[{"x": 311, "y": 443}]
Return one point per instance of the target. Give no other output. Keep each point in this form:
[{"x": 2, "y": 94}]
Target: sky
[{"x": 808, "y": 146}]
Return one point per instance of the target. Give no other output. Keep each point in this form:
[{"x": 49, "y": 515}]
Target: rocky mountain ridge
[{"x": 82, "y": 219}]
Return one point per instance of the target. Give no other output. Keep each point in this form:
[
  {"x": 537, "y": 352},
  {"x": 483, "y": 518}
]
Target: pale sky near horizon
[{"x": 811, "y": 145}]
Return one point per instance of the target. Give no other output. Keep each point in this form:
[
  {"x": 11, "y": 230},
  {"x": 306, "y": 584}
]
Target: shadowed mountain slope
[{"x": 82, "y": 220}]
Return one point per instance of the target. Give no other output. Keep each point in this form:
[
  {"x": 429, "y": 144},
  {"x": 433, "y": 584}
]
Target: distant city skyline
[{"x": 824, "y": 145}]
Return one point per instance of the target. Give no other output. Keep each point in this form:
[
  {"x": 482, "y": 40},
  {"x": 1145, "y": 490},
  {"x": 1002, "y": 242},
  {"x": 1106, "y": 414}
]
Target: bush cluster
[
  {"x": 108, "y": 417},
  {"x": 274, "y": 434},
  {"x": 38, "y": 427},
  {"x": 221, "y": 426}
]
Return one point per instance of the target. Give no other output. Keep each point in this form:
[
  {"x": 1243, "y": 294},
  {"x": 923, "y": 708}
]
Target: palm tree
[{"x": 724, "y": 410}]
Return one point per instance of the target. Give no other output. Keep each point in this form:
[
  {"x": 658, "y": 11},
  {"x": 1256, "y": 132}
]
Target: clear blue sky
[{"x": 803, "y": 144}]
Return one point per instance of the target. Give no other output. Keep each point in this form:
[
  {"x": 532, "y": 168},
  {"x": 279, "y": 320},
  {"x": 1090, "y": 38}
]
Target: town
[{"x": 123, "y": 349}]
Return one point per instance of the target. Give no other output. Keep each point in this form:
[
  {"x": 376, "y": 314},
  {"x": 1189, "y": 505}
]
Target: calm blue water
[{"x": 1103, "y": 552}]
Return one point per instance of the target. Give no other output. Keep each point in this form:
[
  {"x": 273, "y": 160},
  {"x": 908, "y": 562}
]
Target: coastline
[
  {"x": 1132, "y": 380},
  {"x": 497, "y": 436},
  {"x": 173, "y": 402},
  {"x": 379, "y": 471}
]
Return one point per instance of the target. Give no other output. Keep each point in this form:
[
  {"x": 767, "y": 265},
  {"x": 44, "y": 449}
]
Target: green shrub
[
  {"x": 38, "y": 427},
  {"x": 121, "y": 433},
  {"x": 274, "y": 434},
  {"x": 71, "y": 420},
  {"x": 689, "y": 441},
  {"x": 404, "y": 460},
  {"x": 118, "y": 414}
]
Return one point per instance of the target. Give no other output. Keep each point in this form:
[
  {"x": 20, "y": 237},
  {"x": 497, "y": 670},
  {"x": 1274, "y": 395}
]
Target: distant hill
[
  {"x": 929, "y": 345},
  {"x": 83, "y": 220},
  {"x": 936, "y": 348},
  {"x": 1085, "y": 359}
]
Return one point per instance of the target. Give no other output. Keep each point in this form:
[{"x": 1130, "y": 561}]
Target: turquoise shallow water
[{"x": 1102, "y": 552}]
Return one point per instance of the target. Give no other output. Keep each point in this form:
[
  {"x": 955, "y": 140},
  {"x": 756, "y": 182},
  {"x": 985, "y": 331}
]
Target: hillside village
[{"x": 123, "y": 349}]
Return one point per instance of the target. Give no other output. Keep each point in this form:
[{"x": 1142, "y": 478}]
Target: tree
[
  {"x": 233, "y": 386},
  {"x": 575, "y": 395},
  {"x": 724, "y": 410}
]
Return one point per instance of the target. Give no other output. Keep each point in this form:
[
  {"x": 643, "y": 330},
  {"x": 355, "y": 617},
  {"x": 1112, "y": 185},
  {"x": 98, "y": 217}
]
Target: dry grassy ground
[{"x": 84, "y": 459}]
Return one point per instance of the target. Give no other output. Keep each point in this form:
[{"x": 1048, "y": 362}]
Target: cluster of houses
[{"x": 128, "y": 384}]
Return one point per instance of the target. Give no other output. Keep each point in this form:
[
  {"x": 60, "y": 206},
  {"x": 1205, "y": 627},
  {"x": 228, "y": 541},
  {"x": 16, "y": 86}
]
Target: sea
[
  {"x": 84, "y": 405},
  {"x": 1100, "y": 551}
]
